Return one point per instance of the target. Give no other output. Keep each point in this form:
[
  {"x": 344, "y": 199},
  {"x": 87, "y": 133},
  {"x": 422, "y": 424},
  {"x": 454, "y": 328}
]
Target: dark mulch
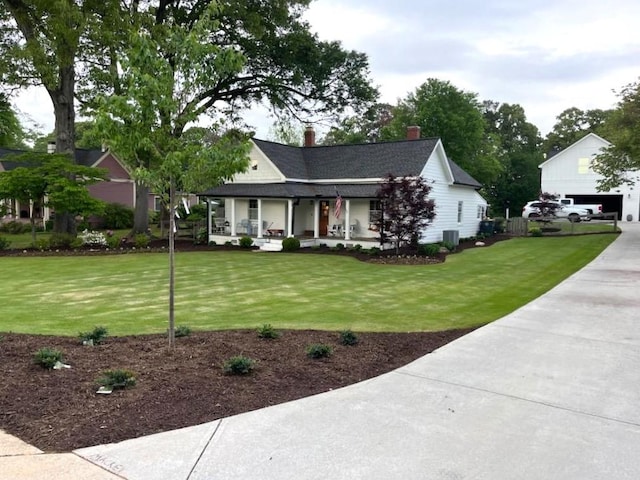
[{"x": 59, "y": 410}]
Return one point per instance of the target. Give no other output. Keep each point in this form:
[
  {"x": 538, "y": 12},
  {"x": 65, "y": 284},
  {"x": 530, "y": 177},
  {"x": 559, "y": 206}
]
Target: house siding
[
  {"x": 569, "y": 173},
  {"x": 446, "y": 198},
  {"x": 264, "y": 171}
]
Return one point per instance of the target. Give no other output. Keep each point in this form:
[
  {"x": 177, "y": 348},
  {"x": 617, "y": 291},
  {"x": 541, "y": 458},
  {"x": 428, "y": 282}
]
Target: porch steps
[{"x": 271, "y": 247}]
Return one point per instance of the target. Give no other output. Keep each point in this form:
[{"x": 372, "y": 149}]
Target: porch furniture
[
  {"x": 219, "y": 226},
  {"x": 275, "y": 232},
  {"x": 335, "y": 230}
]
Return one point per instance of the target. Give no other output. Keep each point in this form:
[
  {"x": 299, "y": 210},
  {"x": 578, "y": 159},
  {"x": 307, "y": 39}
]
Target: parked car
[
  {"x": 534, "y": 210},
  {"x": 594, "y": 209}
]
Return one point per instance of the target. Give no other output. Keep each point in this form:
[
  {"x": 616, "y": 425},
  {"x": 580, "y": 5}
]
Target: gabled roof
[
  {"x": 85, "y": 157},
  {"x": 357, "y": 161},
  {"x": 604, "y": 142}
]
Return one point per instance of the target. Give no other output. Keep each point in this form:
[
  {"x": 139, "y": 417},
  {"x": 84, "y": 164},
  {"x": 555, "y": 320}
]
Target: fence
[{"x": 606, "y": 222}]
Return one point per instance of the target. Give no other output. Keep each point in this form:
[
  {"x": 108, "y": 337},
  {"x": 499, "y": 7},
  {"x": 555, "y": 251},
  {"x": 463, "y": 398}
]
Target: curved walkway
[{"x": 551, "y": 391}]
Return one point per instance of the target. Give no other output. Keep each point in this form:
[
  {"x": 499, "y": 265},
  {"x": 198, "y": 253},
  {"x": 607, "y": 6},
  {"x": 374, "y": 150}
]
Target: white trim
[{"x": 577, "y": 142}]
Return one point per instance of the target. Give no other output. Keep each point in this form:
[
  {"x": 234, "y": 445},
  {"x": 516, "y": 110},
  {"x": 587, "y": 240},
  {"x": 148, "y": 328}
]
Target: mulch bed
[{"x": 59, "y": 410}]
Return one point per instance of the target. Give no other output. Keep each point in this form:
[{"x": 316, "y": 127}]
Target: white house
[
  {"x": 569, "y": 174},
  {"x": 292, "y": 191}
]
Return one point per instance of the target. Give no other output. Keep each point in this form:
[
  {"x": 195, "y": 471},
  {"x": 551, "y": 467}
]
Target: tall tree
[
  {"x": 280, "y": 64},
  {"x": 573, "y": 124},
  {"x": 442, "y": 110},
  {"x": 620, "y": 163},
  {"x": 39, "y": 41},
  {"x": 12, "y": 134},
  {"x": 364, "y": 128},
  {"x": 519, "y": 151}
]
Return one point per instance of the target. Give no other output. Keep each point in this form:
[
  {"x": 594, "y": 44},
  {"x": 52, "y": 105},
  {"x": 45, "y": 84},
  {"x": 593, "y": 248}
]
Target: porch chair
[{"x": 335, "y": 230}]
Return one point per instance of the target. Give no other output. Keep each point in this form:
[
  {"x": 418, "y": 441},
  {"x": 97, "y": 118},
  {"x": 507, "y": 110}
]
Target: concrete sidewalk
[{"x": 550, "y": 391}]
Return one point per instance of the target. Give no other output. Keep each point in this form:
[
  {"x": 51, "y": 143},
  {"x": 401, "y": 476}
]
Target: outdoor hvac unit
[{"x": 451, "y": 236}]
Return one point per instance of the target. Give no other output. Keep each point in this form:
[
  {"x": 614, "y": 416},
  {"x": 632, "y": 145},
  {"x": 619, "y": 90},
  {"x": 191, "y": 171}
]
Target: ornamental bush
[
  {"x": 239, "y": 365},
  {"x": 118, "y": 378},
  {"x": 290, "y": 244},
  {"x": 47, "y": 357},
  {"x": 319, "y": 350},
  {"x": 117, "y": 216},
  {"x": 93, "y": 239},
  {"x": 245, "y": 242}
]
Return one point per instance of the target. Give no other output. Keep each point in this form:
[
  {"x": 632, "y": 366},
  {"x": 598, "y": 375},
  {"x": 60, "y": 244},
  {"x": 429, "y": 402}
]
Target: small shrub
[
  {"x": 76, "y": 243},
  {"x": 290, "y": 244},
  {"x": 347, "y": 337},
  {"x": 113, "y": 241},
  {"x": 357, "y": 247},
  {"x": 41, "y": 244},
  {"x": 245, "y": 242},
  {"x": 119, "y": 378},
  {"x": 202, "y": 237},
  {"x": 267, "y": 331},
  {"x": 535, "y": 232},
  {"x": 428, "y": 249},
  {"x": 228, "y": 243},
  {"x": 319, "y": 350},
  {"x": 182, "y": 331},
  {"x": 339, "y": 246},
  {"x": 4, "y": 243},
  {"x": 15, "y": 227},
  {"x": 47, "y": 357},
  {"x": 117, "y": 216},
  {"x": 93, "y": 239},
  {"x": 141, "y": 240},
  {"x": 95, "y": 336},
  {"x": 239, "y": 365},
  {"x": 61, "y": 240},
  {"x": 449, "y": 246},
  {"x": 373, "y": 251}
]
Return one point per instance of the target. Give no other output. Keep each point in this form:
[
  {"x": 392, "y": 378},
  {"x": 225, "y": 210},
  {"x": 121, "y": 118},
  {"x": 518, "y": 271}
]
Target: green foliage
[
  {"x": 429, "y": 249},
  {"x": 357, "y": 247},
  {"x": 197, "y": 212},
  {"x": 319, "y": 350},
  {"x": 238, "y": 365},
  {"x": 619, "y": 163},
  {"x": 182, "y": 331},
  {"x": 95, "y": 336},
  {"x": 347, "y": 337},
  {"x": 41, "y": 244},
  {"x": 449, "y": 246},
  {"x": 245, "y": 242},
  {"x": 117, "y": 216},
  {"x": 61, "y": 240},
  {"x": 113, "y": 241},
  {"x": 268, "y": 332},
  {"x": 535, "y": 232},
  {"x": 290, "y": 244},
  {"x": 374, "y": 251},
  {"x": 15, "y": 227},
  {"x": 573, "y": 124},
  {"x": 339, "y": 246},
  {"x": 93, "y": 239},
  {"x": 141, "y": 240},
  {"x": 5, "y": 243},
  {"x": 117, "y": 378},
  {"x": 47, "y": 357},
  {"x": 76, "y": 243}
]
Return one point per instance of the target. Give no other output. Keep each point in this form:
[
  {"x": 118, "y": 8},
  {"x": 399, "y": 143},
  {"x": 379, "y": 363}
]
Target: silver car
[{"x": 535, "y": 209}]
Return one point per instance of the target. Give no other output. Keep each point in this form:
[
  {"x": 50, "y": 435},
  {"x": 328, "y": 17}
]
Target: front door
[{"x": 324, "y": 218}]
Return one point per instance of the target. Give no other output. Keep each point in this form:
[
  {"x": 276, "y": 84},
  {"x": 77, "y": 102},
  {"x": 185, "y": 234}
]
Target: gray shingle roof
[
  {"x": 293, "y": 190},
  {"x": 83, "y": 157}
]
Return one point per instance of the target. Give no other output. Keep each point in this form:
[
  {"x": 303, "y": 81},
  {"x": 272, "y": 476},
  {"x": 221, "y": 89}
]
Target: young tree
[
  {"x": 619, "y": 164},
  {"x": 53, "y": 181},
  {"x": 573, "y": 124},
  {"x": 406, "y": 209}
]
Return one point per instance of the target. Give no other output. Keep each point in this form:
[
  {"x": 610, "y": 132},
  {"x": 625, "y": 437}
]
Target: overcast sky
[{"x": 546, "y": 55}]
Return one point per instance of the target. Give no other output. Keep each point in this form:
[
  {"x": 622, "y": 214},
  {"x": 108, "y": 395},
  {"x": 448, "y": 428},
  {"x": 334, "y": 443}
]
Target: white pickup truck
[
  {"x": 592, "y": 208},
  {"x": 534, "y": 210}
]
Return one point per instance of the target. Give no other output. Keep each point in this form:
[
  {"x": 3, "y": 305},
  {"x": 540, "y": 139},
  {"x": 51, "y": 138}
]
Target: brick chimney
[
  {"x": 309, "y": 136},
  {"x": 413, "y": 133}
]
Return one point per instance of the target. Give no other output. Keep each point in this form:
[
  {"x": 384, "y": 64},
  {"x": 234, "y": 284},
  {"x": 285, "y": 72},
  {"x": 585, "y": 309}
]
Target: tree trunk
[
  {"x": 63, "y": 108},
  {"x": 141, "y": 212},
  {"x": 172, "y": 228}
]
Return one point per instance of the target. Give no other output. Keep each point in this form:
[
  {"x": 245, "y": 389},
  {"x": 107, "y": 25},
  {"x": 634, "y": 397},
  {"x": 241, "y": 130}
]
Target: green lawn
[{"x": 222, "y": 290}]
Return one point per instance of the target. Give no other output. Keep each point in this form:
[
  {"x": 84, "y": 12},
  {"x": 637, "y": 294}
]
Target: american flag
[{"x": 338, "y": 208}]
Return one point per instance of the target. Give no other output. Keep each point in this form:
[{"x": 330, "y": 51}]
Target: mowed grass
[{"x": 225, "y": 290}]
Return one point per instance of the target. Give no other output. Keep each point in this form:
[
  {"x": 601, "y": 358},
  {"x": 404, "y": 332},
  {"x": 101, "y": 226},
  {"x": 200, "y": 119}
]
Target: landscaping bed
[{"x": 59, "y": 410}]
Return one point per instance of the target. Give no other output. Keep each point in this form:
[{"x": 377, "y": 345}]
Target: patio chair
[{"x": 335, "y": 230}]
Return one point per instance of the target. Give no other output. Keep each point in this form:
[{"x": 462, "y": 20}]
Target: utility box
[
  {"x": 451, "y": 236},
  {"x": 486, "y": 227}
]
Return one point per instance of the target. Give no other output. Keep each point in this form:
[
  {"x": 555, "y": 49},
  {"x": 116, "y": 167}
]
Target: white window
[
  {"x": 480, "y": 212},
  {"x": 375, "y": 210},
  {"x": 157, "y": 204},
  {"x": 460, "y": 205},
  {"x": 253, "y": 209}
]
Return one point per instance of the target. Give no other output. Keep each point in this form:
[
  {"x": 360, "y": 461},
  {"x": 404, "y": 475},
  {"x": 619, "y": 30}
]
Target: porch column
[
  {"x": 347, "y": 220},
  {"x": 290, "y": 218},
  {"x": 209, "y": 222},
  {"x": 259, "y": 218},
  {"x": 233, "y": 217},
  {"x": 316, "y": 219}
]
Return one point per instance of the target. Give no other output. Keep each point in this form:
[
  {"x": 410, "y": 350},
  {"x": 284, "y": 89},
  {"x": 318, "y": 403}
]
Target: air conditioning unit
[{"x": 451, "y": 236}]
